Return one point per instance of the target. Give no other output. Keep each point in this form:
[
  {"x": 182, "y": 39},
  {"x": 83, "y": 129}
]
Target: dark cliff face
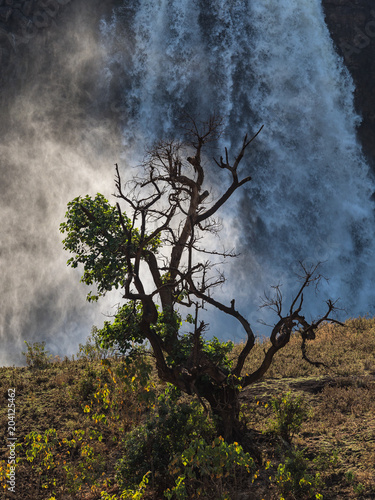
[
  {"x": 352, "y": 27},
  {"x": 21, "y": 22},
  {"x": 25, "y": 23}
]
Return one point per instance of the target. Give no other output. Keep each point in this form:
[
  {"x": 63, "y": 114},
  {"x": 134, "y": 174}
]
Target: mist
[
  {"x": 56, "y": 143},
  {"x": 98, "y": 84}
]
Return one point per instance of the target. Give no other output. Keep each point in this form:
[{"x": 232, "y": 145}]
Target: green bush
[
  {"x": 40, "y": 452},
  {"x": 293, "y": 479},
  {"x": 50, "y": 456},
  {"x": 91, "y": 467},
  {"x": 218, "y": 471},
  {"x": 167, "y": 431},
  {"x": 88, "y": 384},
  {"x": 36, "y": 355},
  {"x": 132, "y": 494},
  {"x": 290, "y": 412},
  {"x": 123, "y": 392},
  {"x": 92, "y": 350}
]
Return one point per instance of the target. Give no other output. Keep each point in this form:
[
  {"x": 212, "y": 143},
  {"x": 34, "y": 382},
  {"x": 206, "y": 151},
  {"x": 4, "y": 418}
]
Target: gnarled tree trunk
[{"x": 225, "y": 406}]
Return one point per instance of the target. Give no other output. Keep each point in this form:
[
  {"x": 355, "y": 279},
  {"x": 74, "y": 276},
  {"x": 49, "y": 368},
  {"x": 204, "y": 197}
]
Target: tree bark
[{"x": 225, "y": 406}]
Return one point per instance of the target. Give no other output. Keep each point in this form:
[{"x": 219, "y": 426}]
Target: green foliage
[
  {"x": 218, "y": 351},
  {"x": 292, "y": 477},
  {"x": 40, "y": 451},
  {"x": 92, "y": 350},
  {"x": 167, "y": 431},
  {"x": 350, "y": 477},
  {"x": 122, "y": 395},
  {"x": 216, "y": 470},
  {"x": 169, "y": 322},
  {"x": 50, "y": 455},
  {"x": 124, "y": 332},
  {"x": 326, "y": 460},
  {"x": 290, "y": 412},
  {"x": 40, "y": 446},
  {"x": 90, "y": 467},
  {"x": 96, "y": 237},
  {"x": 129, "y": 494},
  {"x": 36, "y": 355},
  {"x": 215, "y": 350},
  {"x": 88, "y": 384}
]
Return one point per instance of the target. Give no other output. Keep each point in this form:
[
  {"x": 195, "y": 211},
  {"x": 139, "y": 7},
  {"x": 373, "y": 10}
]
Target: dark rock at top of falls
[{"x": 352, "y": 27}]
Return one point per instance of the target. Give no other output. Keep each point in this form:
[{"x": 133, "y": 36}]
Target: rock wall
[{"x": 352, "y": 27}]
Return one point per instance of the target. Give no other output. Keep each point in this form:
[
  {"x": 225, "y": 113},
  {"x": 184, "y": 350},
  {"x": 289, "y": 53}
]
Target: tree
[{"x": 153, "y": 252}]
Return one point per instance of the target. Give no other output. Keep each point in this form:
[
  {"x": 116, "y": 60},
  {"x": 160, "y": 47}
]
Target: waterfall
[
  {"x": 254, "y": 63},
  {"x": 95, "y": 93}
]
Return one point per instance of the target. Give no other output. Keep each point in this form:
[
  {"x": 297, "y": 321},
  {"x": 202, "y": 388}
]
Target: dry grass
[
  {"x": 338, "y": 436},
  {"x": 347, "y": 350}
]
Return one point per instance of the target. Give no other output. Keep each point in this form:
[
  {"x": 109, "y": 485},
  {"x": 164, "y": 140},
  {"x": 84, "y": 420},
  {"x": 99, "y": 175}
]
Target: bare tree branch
[{"x": 170, "y": 211}]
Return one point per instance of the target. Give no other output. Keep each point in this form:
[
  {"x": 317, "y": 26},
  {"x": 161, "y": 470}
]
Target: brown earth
[{"x": 337, "y": 436}]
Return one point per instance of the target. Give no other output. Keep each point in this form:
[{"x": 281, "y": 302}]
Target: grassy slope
[{"x": 339, "y": 434}]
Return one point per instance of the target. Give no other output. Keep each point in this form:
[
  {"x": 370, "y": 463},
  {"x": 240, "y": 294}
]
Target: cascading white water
[
  {"x": 270, "y": 63},
  {"x": 317, "y": 207}
]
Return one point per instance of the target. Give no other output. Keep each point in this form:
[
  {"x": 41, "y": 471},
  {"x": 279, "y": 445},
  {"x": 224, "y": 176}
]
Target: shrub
[
  {"x": 50, "y": 457},
  {"x": 88, "y": 384},
  {"x": 168, "y": 430},
  {"x": 92, "y": 350},
  {"x": 40, "y": 451},
  {"x": 216, "y": 470},
  {"x": 290, "y": 412},
  {"x": 89, "y": 470},
  {"x": 293, "y": 480},
  {"x": 123, "y": 391},
  {"x": 36, "y": 355},
  {"x": 131, "y": 494}
]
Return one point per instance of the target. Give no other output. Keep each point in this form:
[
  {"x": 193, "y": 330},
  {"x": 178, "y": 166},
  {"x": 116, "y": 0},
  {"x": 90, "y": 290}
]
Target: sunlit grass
[{"x": 336, "y": 437}]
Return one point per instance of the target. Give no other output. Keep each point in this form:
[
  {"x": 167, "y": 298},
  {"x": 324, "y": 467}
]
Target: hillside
[{"x": 76, "y": 418}]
